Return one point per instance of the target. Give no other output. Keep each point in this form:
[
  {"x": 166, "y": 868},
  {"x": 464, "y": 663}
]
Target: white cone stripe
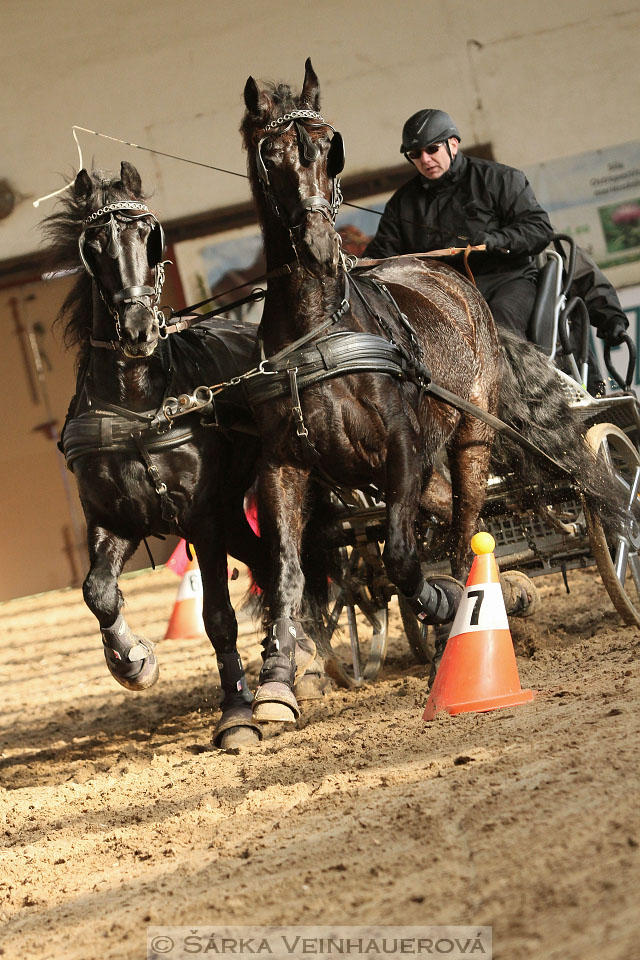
[
  {"x": 481, "y": 608},
  {"x": 190, "y": 586}
]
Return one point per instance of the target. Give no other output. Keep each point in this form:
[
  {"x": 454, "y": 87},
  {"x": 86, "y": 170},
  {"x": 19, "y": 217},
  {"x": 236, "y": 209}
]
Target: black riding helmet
[{"x": 426, "y": 127}]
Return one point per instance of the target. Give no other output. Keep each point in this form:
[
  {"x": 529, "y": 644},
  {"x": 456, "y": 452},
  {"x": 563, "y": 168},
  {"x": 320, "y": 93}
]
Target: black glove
[
  {"x": 491, "y": 244},
  {"x": 613, "y": 329}
]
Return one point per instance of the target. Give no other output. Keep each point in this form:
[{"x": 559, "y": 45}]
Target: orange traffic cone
[
  {"x": 186, "y": 618},
  {"x": 478, "y": 670}
]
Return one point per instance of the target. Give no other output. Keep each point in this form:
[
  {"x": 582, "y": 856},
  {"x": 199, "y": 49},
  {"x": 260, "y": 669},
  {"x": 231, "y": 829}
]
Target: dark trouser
[{"x": 511, "y": 301}]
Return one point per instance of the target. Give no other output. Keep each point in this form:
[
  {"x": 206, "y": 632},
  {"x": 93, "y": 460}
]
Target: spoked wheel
[
  {"x": 618, "y": 559},
  {"x": 359, "y": 617},
  {"x": 418, "y": 634}
]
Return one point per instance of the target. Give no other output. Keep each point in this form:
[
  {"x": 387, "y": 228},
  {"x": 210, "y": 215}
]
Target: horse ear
[
  {"x": 83, "y": 185},
  {"x": 310, "y": 88},
  {"x": 252, "y": 97},
  {"x": 130, "y": 179}
]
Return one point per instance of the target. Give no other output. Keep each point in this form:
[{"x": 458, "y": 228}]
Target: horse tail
[
  {"x": 319, "y": 558},
  {"x": 534, "y": 401}
]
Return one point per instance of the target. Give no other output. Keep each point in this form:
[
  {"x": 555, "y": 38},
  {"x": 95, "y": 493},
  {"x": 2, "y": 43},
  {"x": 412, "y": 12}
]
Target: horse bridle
[
  {"x": 302, "y": 119},
  {"x": 155, "y": 250}
]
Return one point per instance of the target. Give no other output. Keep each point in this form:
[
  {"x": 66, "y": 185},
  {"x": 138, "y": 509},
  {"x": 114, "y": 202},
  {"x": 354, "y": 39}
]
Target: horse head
[
  {"x": 297, "y": 158},
  {"x": 120, "y": 242}
]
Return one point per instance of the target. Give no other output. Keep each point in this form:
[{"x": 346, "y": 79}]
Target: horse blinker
[
  {"x": 336, "y": 157},
  {"x": 155, "y": 245}
]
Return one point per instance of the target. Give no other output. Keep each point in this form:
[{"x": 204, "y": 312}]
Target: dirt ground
[{"x": 117, "y": 812}]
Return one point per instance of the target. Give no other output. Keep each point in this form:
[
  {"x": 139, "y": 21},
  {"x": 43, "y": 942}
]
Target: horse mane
[{"x": 62, "y": 230}]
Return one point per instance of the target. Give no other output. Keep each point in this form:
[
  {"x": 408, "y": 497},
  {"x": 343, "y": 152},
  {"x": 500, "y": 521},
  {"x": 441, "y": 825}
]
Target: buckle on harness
[
  {"x": 154, "y": 473},
  {"x": 296, "y": 409}
]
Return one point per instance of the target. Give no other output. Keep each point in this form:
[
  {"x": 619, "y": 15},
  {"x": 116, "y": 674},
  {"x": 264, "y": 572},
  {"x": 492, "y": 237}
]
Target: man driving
[{"x": 456, "y": 201}]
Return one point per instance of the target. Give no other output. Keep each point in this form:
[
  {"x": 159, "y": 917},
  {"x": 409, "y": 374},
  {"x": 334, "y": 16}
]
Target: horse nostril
[{"x": 147, "y": 333}]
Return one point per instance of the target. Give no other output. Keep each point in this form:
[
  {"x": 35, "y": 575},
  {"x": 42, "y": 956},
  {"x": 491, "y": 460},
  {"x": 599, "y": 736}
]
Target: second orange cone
[
  {"x": 186, "y": 618},
  {"x": 478, "y": 670}
]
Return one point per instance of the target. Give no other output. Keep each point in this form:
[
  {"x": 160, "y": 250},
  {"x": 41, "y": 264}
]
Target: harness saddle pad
[{"x": 209, "y": 353}]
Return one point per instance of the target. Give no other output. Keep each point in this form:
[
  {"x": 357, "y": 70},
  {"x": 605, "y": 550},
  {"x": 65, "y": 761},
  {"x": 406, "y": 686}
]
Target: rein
[
  {"x": 187, "y": 317},
  {"x": 341, "y": 354},
  {"x": 366, "y": 264},
  {"x": 202, "y": 396}
]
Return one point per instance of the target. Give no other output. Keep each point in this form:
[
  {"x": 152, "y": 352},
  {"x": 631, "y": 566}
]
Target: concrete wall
[
  {"x": 540, "y": 81},
  {"x": 42, "y": 530}
]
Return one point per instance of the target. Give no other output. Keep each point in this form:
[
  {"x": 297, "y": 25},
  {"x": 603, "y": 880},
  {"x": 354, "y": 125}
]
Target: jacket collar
[{"x": 448, "y": 179}]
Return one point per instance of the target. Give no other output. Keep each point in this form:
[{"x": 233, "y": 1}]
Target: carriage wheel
[
  {"x": 359, "y": 617},
  {"x": 618, "y": 559},
  {"x": 417, "y": 633}
]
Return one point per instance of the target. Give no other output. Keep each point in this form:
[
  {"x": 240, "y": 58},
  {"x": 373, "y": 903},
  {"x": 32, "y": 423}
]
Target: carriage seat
[{"x": 543, "y": 323}]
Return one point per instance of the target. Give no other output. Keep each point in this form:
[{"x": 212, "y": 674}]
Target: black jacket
[
  {"x": 600, "y": 297},
  {"x": 475, "y": 201}
]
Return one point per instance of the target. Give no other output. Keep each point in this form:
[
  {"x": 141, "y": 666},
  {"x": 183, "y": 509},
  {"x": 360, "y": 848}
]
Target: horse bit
[
  {"x": 315, "y": 204},
  {"x": 120, "y": 211}
]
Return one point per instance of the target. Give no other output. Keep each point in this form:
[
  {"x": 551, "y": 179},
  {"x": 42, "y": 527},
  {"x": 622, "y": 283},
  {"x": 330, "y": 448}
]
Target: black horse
[
  {"x": 137, "y": 474},
  {"x": 384, "y": 333},
  {"x": 363, "y": 428}
]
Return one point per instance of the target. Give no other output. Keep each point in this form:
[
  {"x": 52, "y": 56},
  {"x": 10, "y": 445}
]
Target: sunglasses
[{"x": 431, "y": 149}]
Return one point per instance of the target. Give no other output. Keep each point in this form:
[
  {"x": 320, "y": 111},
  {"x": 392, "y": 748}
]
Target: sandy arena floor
[{"x": 117, "y": 813}]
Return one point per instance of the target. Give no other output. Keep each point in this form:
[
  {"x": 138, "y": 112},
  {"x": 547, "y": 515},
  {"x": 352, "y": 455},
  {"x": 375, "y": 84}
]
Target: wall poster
[{"x": 595, "y": 198}]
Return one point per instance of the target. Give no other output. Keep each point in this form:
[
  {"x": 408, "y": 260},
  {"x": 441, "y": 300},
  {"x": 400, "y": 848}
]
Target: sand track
[{"x": 117, "y": 813}]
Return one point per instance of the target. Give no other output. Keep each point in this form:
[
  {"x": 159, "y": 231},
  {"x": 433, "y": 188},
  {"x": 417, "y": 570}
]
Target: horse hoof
[
  {"x": 521, "y": 597},
  {"x": 311, "y": 686},
  {"x": 275, "y": 703},
  {"x": 239, "y": 737},
  {"x": 136, "y": 675},
  {"x": 305, "y": 656},
  {"x": 236, "y": 727}
]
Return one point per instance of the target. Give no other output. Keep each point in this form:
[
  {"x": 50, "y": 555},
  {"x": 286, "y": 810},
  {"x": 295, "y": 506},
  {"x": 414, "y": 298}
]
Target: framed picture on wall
[{"x": 226, "y": 265}]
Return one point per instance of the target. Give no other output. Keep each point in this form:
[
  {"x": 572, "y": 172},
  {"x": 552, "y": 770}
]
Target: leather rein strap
[
  {"x": 349, "y": 352},
  {"x": 187, "y": 318},
  {"x": 366, "y": 264}
]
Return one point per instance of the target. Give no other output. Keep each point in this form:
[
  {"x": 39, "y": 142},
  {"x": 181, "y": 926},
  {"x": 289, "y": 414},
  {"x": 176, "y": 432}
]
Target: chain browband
[
  {"x": 295, "y": 115},
  {"x": 315, "y": 204},
  {"x": 116, "y": 205}
]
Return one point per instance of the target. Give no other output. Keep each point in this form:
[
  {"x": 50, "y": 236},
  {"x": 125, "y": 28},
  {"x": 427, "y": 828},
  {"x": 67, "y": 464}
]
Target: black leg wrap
[
  {"x": 234, "y": 683},
  {"x": 279, "y": 659},
  {"x": 436, "y": 602}
]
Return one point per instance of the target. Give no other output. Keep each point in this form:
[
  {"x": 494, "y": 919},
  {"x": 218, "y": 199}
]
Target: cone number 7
[{"x": 475, "y": 613}]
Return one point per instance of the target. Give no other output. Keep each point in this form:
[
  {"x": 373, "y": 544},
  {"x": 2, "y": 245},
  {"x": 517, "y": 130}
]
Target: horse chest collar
[
  {"x": 134, "y": 435},
  {"x": 309, "y": 361}
]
